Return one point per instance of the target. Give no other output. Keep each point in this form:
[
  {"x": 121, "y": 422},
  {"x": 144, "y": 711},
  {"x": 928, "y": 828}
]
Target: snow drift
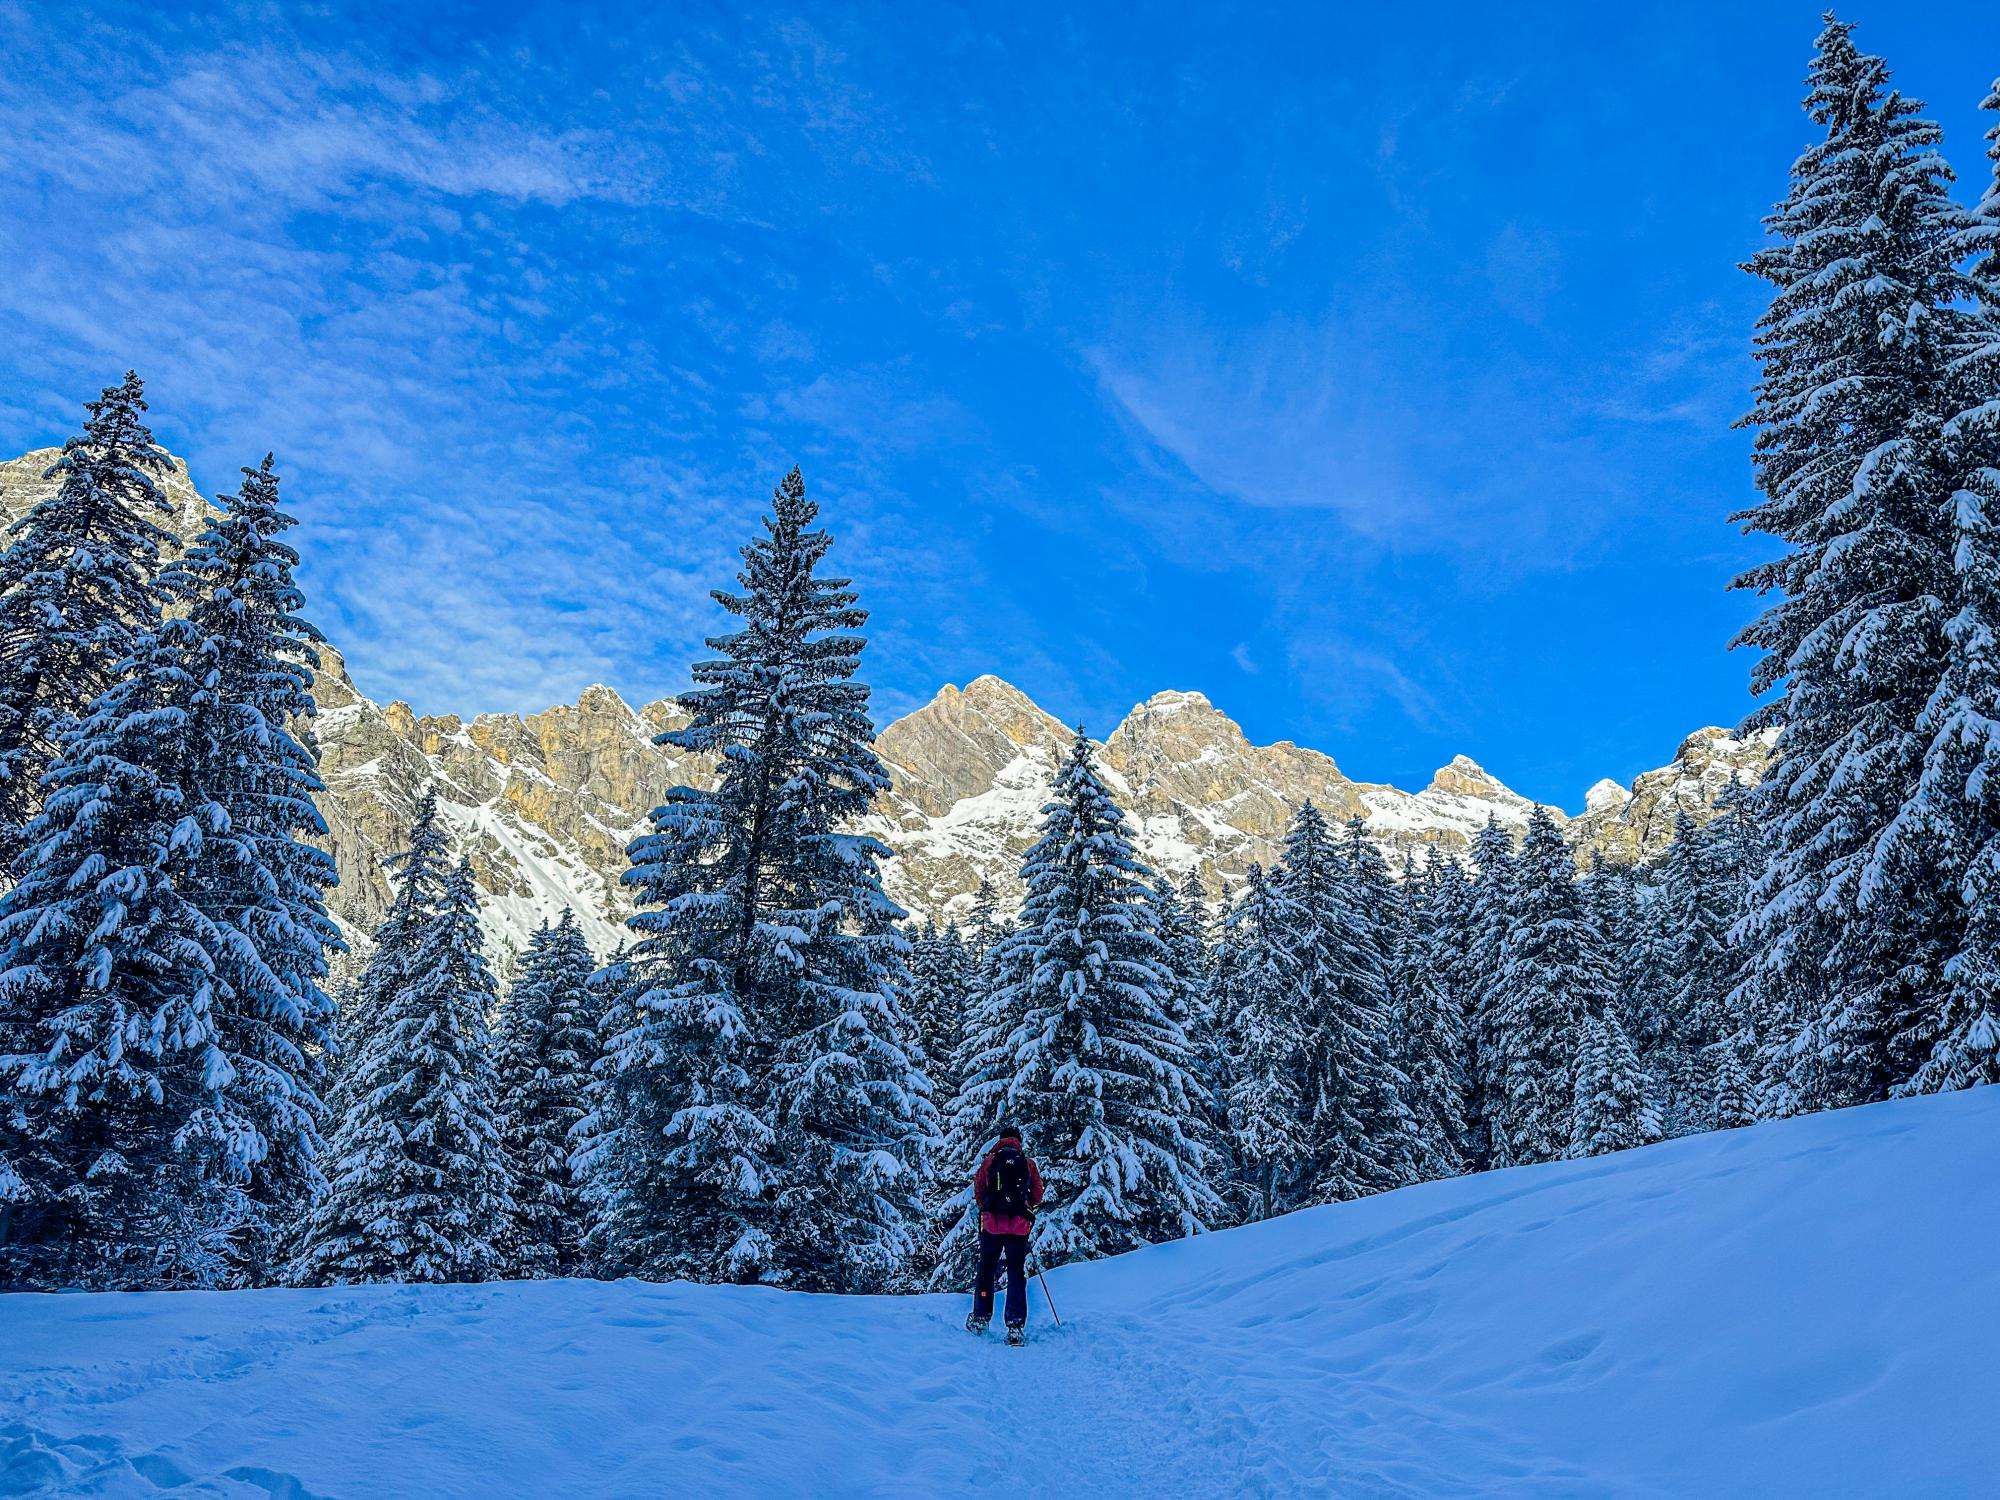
[{"x": 1800, "y": 1308}]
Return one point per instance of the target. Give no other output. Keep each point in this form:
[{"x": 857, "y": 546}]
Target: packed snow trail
[{"x": 1801, "y": 1308}]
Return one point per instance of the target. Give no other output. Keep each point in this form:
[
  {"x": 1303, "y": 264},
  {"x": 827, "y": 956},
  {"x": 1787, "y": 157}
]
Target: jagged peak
[
  {"x": 1701, "y": 739},
  {"x": 1193, "y": 709},
  {"x": 986, "y": 696},
  {"x": 987, "y": 688},
  {"x": 1171, "y": 700},
  {"x": 1461, "y": 768},
  {"x": 1606, "y": 796},
  {"x": 601, "y": 699},
  {"x": 1707, "y": 742}
]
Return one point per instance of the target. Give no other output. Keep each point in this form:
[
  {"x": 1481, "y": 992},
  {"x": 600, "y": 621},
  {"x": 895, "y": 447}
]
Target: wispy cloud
[
  {"x": 1103, "y": 349},
  {"x": 1275, "y": 416},
  {"x": 290, "y": 128},
  {"x": 402, "y": 280},
  {"x": 1350, "y": 678}
]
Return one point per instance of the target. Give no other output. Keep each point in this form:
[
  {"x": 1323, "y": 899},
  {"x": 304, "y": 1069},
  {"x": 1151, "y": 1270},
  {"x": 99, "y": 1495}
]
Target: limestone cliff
[{"x": 544, "y": 804}]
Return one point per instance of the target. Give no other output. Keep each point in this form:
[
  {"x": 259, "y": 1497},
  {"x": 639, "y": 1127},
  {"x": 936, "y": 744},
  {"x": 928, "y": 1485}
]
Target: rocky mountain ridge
[{"x": 545, "y": 803}]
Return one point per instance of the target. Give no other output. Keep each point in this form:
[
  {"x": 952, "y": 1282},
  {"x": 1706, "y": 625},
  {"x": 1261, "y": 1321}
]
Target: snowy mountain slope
[
  {"x": 971, "y": 770},
  {"x": 1800, "y": 1308},
  {"x": 545, "y": 803}
]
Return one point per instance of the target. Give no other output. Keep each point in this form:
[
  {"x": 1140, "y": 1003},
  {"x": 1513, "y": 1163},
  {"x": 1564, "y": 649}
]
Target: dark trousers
[{"x": 991, "y": 1248}]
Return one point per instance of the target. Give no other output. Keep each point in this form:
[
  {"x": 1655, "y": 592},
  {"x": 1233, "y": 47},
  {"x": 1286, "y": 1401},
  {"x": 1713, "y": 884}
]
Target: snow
[
  {"x": 1790, "y": 1309},
  {"x": 1606, "y": 796},
  {"x": 556, "y": 878}
]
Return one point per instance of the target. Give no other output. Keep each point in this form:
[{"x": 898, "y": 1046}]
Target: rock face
[
  {"x": 22, "y": 485},
  {"x": 544, "y": 804},
  {"x": 1630, "y": 825}
]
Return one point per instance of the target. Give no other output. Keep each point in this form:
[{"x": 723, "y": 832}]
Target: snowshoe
[
  {"x": 976, "y": 1324},
  {"x": 1016, "y": 1335}
]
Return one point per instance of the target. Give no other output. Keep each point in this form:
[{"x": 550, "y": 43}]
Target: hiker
[{"x": 1008, "y": 1190}]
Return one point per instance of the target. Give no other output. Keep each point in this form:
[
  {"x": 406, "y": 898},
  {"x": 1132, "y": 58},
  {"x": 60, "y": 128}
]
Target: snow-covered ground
[{"x": 1803, "y": 1308}]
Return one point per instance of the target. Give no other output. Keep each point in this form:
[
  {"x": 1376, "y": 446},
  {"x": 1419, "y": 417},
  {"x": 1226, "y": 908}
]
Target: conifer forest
[{"x": 782, "y": 1077}]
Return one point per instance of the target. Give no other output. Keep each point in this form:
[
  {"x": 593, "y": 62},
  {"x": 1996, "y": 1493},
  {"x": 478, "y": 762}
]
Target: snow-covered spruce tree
[
  {"x": 1181, "y": 920},
  {"x": 763, "y": 1118},
  {"x": 1612, "y": 896},
  {"x": 675, "y": 1156},
  {"x": 612, "y": 990},
  {"x": 545, "y": 1048},
  {"x": 1552, "y": 975},
  {"x": 1265, "y": 1109},
  {"x": 940, "y": 989},
  {"x": 1180, "y": 916},
  {"x": 78, "y": 587},
  {"x": 1732, "y": 858},
  {"x": 1358, "y": 1136},
  {"x": 1612, "y": 1109},
  {"x": 1429, "y": 1018},
  {"x": 1960, "y": 788},
  {"x": 1195, "y": 949},
  {"x": 1732, "y": 1098},
  {"x": 417, "y": 1173},
  {"x": 252, "y": 659},
  {"x": 1453, "y": 919},
  {"x": 1381, "y": 905},
  {"x": 417, "y": 874},
  {"x": 1180, "y": 929},
  {"x": 1076, "y": 1044},
  {"x": 951, "y": 1242},
  {"x": 1982, "y": 236},
  {"x": 111, "y": 1071},
  {"x": 1858, "y": 885},
  {"x": 982, "y": 927},
  {"x": 1691, "y": 914},
  {"x": 1489, "y": 916}
]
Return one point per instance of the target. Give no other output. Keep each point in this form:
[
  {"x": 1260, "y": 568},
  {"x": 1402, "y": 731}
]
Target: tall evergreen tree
[
  {"x": 1266, "y": 1110},
  {"x": 112, "y": 1070},
  {"x": 1733, "y": 1101},
  {"x": 1182, "y": 922},
  {"x": 765, "y": 1120},
  {"x": 1612, "y": 896},
  {"x": 1380, "y": 905},
  {"x": 1186, "y": 954},
  {"x": 1329, "y": 925},
  {"x": 1552, "y": 976},
  {"x": 1453, "y": 919},
  {"x": 1692, "y": 913},
  {"x": 1188, "y": 931},
  {"x": 1429, "y": 1017},
  {"x": 982, "y": 927},
  {"x": 417, "y": 1173},
  {"x": 1613, "y": 1110},
  {"x": 1959, "y": 795},
  {"x": 1077, "y": 1045},
  {"x": 1851, "y": 401},
  {"x": 252, "y": 658},
  {"x": 546, "y": 1046},
  {"x": 940, "y": 991},
  {"x": 185, "y": 1021},
  {"x": 1489, "y": 916},
  {"x": 78, "y": 588}
]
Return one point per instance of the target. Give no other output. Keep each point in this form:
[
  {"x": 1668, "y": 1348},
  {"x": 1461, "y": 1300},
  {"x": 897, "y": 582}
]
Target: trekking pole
[{"x": 1045, "y": 1292}]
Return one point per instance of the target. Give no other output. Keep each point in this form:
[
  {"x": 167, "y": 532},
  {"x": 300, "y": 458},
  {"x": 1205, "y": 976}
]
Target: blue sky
[{"x": 1369, "y": 369}]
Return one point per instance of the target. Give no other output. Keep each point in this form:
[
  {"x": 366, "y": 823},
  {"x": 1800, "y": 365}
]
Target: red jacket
[{"x": 994, "y": 1223}]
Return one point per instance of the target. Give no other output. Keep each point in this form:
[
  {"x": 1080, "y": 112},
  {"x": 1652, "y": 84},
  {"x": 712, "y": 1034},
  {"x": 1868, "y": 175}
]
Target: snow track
[{"x": 1802, "y": 1308}]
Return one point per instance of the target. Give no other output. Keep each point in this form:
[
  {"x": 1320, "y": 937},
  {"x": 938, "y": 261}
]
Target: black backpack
[{"x": 1007, "y": 1182}]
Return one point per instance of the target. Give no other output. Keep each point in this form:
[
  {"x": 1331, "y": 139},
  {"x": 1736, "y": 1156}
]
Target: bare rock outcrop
[{"x": 544, "y": 804}]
